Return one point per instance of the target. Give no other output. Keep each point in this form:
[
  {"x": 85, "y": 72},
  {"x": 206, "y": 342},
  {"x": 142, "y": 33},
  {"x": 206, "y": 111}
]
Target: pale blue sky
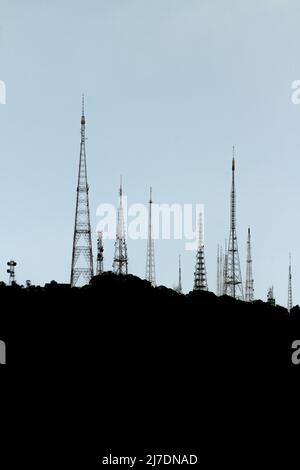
[{"x": 170, "y": 85}]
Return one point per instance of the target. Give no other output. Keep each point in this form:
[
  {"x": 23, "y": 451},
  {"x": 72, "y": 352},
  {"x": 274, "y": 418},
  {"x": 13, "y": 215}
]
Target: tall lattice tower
[
  {"x": 120, "y": 264},
  {"x": 82, "y": 256},
  {"x": 219, "y": 271},
  {"x": 200, "y": 279},
  {"x": 100, "y": 251},
  {"x": 179, "y": 287},
  {"x": 225, "y": 265},
  {"x": 290, "y": 292},
  {"x": 150, "y": 261},
  {"x": 249, "y": 287},
  {"x": 234, "y": 285}
]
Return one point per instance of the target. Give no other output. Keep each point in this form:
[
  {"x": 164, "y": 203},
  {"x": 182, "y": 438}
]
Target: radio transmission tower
[
  {"x": 225, "y": 265},
  {"x": 150, "y": 262},
  {"x": 270, "y": 297},
  {"x": 179, "y": 287},
  {"x": 120, "y": 264},
  {"x": 234, "y": 285},
  {"x": 100, "y": 250},
  {"x": 290, "y": 293},
  {"x": 82, "y": 256},
  {"x": 219, "y": 271},
  {"x": 249, "y": 294},
  {"x": 200, "y": 279},
  {"x": 11, "y": 271}
]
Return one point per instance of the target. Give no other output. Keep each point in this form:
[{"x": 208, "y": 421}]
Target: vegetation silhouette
[
  {"x": 119, "y": 364},
  {"x": 124, "y": 313}
]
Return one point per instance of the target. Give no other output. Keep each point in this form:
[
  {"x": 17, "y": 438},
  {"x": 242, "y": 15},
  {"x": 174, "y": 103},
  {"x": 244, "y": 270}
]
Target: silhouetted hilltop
[
  {"x": 140, "y": 363},
  {"x": 119, "y": 307},
  {"x": 122, "y": 289}
]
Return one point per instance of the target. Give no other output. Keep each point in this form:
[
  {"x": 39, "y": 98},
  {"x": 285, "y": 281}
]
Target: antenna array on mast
[{"x": 82, "y": 255}]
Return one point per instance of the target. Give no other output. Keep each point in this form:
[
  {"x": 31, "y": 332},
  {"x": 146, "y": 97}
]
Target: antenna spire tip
[{"x": 82, "y": 109}]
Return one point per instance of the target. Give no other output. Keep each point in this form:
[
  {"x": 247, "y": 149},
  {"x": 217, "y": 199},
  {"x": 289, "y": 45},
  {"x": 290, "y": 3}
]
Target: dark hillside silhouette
[
  {"x": 129, "y": 308},
  {"x": 118, "y": 363}
]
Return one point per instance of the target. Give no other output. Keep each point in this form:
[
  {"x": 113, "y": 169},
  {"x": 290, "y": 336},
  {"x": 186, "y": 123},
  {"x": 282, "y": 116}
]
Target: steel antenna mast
[
  {"x": 100, "y": 250},
  {"x": 225, "y": 266},
  {"x": 200, "y": 278},
  {"x": 290, "y": 293},
  {"x": 234, "y": 285},
  {"x": 179, "y": 289},
  {"x": 220, "y": 270},
  {"x": 82, "y": 255},
  {"x": 249, "y": 288},
  {"x": 120, "y": 264},
  {"x": 150, "y": 261}
]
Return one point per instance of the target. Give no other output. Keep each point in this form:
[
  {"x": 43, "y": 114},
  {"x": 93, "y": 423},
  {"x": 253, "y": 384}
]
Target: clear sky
[{"x": 170, "y": 85}]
